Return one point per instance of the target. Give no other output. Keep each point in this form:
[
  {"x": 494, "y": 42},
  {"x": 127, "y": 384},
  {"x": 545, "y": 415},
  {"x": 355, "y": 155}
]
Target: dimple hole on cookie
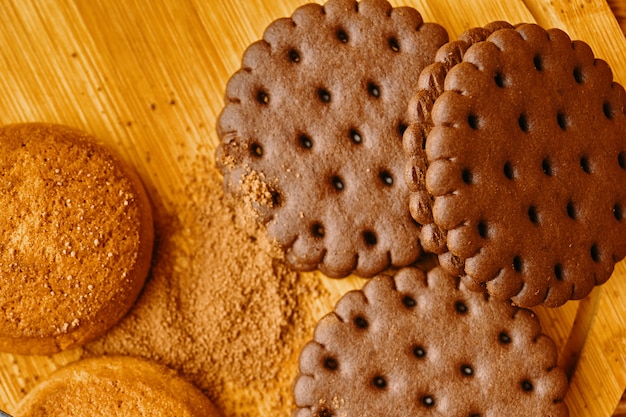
[
  {"x": 473, "y": 121},
  {"x": 607, "y": 108},
  {"x": 522, "y": 121},
  {"x": 337, "y": 183},
  {"x": 533, "y": 215},
  {"x": 342, "y": 35},
  {"x": 558, "y": 272},
  {"x": 499, "y": 79},
  {"x": 373, "y": 90},
  {"x": 527, "y": 386},
  {"x": 305, "y": 141},
  {"x": 618, "y": 213},
  {"x": 621, "y": 159},
  {"x": 276, "y": 199},
  {"x": 595, "y": 253},
  {"x": 466, "y": 176},
  {"x": 386, "y": 178},
  {"x": 323, "y": 95},
  {"x": 483, "y": 229},
  {"x": 324, "y": 412},
  {"x": 317, "y": 230},
  {"x": 370, "y": 238},
  {"x": 571, "y": 210},
  {"x": 538, "y": 62},
  {"x": 356, "y": 137},
  {"x": 504, "y": 338},
  {"x": 419, "y": 352},
  {"x": 331, "y": 364},
  {"x": 518, "y": 264},
  {"x": 263, "y": 97},
  {"x": 584, "y": 164},
  {"x": 460, "y": 307},
  {"x": 509, "y": 171},
  {"x": 361, "y": 322},
  {"x": 578, "y": 75},
  {"x": 379, "y": 382},
  {"x": 428, "y": 401},
  {"x": 294, "y": 56},
  {"x": 256, "y": 150},
  {"x": 546, "y": 166},
  {"x": 562, "y": 120},
  {"x": 394, "y": 45},
  {"x": 408, "y": 301},
  {"x": 467, "y": 370}
]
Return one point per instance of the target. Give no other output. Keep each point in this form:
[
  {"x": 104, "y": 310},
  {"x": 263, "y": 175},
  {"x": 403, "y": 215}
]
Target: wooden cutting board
[{"x": 116, "y": 68}]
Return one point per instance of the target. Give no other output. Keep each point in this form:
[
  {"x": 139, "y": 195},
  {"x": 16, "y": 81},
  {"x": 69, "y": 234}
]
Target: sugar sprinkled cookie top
[
  {"x": 76, "y": 237},
  {"x": 421, "y": 344},
  {"x": 311, "y": 133},
  {"x": 115, "y": 386},
  {"x": 526, "y": 157}
]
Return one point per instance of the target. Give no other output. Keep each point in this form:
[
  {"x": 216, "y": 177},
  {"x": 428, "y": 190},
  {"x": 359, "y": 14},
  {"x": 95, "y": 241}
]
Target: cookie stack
[{"x": 366, "y": 141}]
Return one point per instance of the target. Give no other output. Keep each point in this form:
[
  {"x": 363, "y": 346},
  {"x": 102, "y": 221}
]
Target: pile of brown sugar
[{"x": 220, "y": 306}]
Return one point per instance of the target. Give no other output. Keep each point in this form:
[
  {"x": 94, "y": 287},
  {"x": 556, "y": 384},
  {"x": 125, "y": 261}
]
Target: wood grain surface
[{"x": 148, "y": 77}]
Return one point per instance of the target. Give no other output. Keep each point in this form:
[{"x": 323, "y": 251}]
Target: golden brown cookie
[
  {"x": 421, "y": 344},
  {"x": 76, "y": 236},
  {"x": 111, "y": 386},
  {"x": 517, "y": 161},
  {"x": 311, "y": 134}
]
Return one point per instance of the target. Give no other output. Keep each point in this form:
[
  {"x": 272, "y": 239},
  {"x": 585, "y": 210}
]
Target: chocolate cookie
[
  {"x": 421, "y": 344},
  {"x": 518, "y": 150},
  {"x": 311, "y": 133}
]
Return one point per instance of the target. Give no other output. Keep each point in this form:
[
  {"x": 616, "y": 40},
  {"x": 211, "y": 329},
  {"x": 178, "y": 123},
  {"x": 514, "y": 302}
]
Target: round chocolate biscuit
[
  {"x": 525, "y": 152},
  {"x": 311, "y": 133},
  {"x": 421, "y": 344}
]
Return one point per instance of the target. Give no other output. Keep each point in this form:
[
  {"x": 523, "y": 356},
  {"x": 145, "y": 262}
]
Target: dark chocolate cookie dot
[
  {"x": 331, "y": 364},
  {"x": 361, "y": 322},
  {"x": 373, "y": 90},
  {"x": 342, "y": 36},
  {"x": 504, "y": 338},
  {"x": 386, "y": 178},
  {"x": 256, "y": 150},
  {"x": 428, "y": 401},
  {"x": 527, "y": 386},
  {"x": 323, "y": 95},
  {"x": 409, "y": 301},
  {"x": 370, "y": 238},
  {"x": 394, "y": 44},
  {"x": 380, "y": 382}
]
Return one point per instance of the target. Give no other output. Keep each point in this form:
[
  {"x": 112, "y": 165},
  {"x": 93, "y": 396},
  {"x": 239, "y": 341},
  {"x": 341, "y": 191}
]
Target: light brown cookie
[
  {"x": 524, "y": 151},
  {"x": 312, "y": 127},
  {"x": 76, "y": 236},
  {"x": 115, "y": 386},
  {"x": 421, "y": 344}
]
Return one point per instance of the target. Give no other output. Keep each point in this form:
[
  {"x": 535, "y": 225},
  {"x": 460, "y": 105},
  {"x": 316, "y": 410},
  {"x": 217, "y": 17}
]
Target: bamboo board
[{"x": 115, "y": 68}]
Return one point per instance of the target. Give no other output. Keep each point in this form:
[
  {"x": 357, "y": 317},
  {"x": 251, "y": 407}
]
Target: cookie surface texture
[
  {"x": 76, "y": 236},
  {"x": 311, "y": 134},
  {"x": 421, "y": 344},
  {"x": 115, "y": 386},
  {"x": 526, "y": 155}
]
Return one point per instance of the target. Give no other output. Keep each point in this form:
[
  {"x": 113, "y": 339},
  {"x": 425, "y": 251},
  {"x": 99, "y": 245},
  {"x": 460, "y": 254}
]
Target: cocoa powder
[{"x": 220, "y": 305}]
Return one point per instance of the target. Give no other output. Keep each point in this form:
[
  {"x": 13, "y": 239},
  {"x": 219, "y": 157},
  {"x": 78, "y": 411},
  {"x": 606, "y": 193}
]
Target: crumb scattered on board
[{"x": 220, "y": 305}]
